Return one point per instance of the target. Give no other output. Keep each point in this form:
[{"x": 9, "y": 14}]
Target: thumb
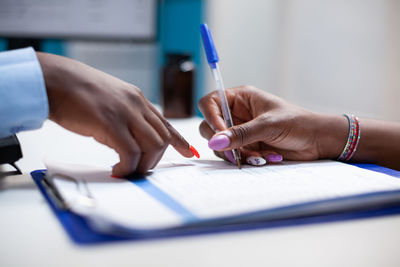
[{"x": 239, "y": 135}]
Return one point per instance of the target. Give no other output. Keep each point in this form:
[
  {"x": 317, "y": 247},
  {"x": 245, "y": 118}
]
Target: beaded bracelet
[{"x": 353, "y": 139}]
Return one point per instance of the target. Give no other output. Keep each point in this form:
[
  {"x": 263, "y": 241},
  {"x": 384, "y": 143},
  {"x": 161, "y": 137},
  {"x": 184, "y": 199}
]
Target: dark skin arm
[
  {"x": 266, "y": 124},
  {"x": 115, "y": 113}
]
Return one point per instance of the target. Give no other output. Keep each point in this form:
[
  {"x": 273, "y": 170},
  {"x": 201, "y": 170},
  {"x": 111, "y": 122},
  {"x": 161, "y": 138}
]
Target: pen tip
[
  {"x": 194, "y": 151},
  {"x": 238, "y": 163}
]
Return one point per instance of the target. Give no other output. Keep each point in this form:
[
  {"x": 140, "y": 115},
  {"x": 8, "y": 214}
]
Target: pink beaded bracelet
[{"x": 353, "y": 139}]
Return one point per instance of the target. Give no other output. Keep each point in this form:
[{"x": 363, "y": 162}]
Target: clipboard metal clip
[{"x": 85, "y": 198}]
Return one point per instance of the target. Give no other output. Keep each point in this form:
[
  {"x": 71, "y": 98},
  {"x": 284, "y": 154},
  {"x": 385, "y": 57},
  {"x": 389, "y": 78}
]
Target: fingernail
[
  {"x": 115, "y": 176},
  {"x": 218, "y": 142},
  {"x": 194, "y": 151},
  {"x": 256, "y": 161},
  {"x": 274, "y": 158},
  {"x": 230, "y": 156}
]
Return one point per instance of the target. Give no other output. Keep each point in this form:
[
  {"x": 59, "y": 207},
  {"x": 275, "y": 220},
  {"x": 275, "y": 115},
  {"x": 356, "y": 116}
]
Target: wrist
[
  {"x": 48, "y": 69},
  {"x": 331, "y": 134},
  {"x": 55, "y": 77}
]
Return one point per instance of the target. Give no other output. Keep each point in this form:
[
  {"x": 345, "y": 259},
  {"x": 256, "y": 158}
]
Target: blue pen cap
[{"x": 209, "y": 47}]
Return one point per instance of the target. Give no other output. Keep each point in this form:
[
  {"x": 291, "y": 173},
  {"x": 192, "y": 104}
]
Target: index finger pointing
[{"x": 177, "y": 140}]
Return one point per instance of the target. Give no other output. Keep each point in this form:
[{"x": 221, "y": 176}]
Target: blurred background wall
[
  {"x": 336, "y": 56},
  {"x": 328, "y": 55}
]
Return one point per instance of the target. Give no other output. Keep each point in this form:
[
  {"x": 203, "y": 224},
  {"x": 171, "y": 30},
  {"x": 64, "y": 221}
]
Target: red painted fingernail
[
  {"x": 115, "y": 176},
  {"x": 194, "y": 151}
]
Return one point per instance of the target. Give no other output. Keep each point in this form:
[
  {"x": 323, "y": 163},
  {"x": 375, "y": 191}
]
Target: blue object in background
[
  {"x": 3, "y": 44},
  {"x": 53, "y": 46},
  {"x": 178, "y": 32}
]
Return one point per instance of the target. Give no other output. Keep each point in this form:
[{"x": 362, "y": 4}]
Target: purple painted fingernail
[
  {"x": 230, "y": 156},
  {"x": 219, "y": 142},
  {"x": 255, "y": 161},
  {"x": 274, "y": 158}
]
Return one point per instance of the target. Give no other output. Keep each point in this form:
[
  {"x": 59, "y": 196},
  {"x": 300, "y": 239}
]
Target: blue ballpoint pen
[{"x": 212, "y": 58}]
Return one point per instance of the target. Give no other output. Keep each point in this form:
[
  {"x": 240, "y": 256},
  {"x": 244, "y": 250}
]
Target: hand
[
  {"x": 92, "y": 103},
  {"x": 267, "y": 127}
]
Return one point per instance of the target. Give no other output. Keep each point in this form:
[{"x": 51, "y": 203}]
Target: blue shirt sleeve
[{"x": 23, "y": 97}]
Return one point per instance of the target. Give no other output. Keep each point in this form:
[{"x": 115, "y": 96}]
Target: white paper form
[
  {"x": 213, "y": 188},
  {"x": 183, "y": 191}
]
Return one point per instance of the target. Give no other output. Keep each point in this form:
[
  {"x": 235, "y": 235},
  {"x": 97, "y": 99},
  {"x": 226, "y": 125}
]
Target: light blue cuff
[{"x": 23, "y": 97}]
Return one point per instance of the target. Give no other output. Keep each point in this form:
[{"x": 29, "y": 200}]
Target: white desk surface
[{"x": 30, "y": 235}]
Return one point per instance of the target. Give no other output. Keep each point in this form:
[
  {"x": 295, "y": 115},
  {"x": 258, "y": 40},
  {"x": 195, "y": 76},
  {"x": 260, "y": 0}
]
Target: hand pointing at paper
[
  {"x": 267, "y": 129},
  {"x": 93, "y": 103}
]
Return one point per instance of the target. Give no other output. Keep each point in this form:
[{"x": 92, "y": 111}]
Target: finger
[
  {"x": 252, "y": 157},
  {"x": 177, "y": 140},
  {"x": 210, "y": 107},
  {"x": 128, "y": 150},
  {"x": 179, "y": 143},
  {"x": 148, "y": 161},
  {"x": 226, "y": 155},
  {"x": 151, "y": 144},
  {"x": 259, "y": 158},
  {"x": 164, "y": 133},
  {"x": 230, "y": 157},
  {"x": 205, "y": 130},
  {"x": 157, "y": 160},
  {"x": 247, "y": 157},
  {"x": 240, "y": 135},
  {"x": 158, "y": 125},
  {"x": 271, "y": 156}
]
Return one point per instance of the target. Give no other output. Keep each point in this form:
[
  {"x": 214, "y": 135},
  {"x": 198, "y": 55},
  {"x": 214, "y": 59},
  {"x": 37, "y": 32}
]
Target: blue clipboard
[{"x": 81, "y": 233}]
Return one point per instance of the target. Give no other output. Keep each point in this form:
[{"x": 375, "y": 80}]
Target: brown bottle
[{"x": 177, "y": 86}]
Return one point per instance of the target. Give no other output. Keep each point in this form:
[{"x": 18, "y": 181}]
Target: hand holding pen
[
  {"x": 213, "y": 59},
  {"x": 267, "y": 127}
]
